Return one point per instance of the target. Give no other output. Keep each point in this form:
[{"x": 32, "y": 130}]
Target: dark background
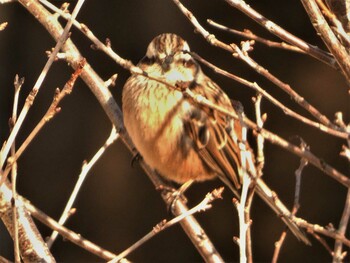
[{"x": 118, "y": 204}]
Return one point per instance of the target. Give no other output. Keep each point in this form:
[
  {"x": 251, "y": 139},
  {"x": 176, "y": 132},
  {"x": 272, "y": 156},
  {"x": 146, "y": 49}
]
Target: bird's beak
[{"x": 166, "y": 62}]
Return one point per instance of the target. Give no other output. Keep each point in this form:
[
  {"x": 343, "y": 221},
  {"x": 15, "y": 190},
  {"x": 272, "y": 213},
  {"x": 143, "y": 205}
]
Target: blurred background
[{"x": 118, "y": 204}]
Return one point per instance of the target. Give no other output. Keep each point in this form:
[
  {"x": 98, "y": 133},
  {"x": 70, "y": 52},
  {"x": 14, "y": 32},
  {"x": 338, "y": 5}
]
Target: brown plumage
[{"x": 180, "y": 139}]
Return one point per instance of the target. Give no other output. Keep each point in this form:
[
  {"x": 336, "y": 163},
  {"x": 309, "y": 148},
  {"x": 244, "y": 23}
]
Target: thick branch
[
  {"x": 328, "y": 37},
  {"x": 32, "y": 246}
]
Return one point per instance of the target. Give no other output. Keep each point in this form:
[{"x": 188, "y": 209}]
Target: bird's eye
[{"x": 187, "y": 63}]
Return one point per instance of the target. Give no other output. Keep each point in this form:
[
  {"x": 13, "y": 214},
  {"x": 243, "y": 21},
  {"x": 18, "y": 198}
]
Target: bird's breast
[{"x": 154, "y": 116}]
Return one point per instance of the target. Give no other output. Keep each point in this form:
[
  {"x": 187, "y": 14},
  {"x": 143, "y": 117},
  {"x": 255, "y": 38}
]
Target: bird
[{"x": 184, "y": 140}]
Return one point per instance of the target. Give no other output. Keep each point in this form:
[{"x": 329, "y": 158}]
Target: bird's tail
[{"x": 276, "y": 205}]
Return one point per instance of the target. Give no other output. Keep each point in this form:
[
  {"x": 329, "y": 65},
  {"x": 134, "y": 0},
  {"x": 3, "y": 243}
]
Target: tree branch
[{"x": 328, "y": 37}]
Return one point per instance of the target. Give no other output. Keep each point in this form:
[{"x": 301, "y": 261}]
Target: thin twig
[
  {"x": 3, "y": 25},
  {"x": 296, "y": 205},
  {"x": 282, "y": 33},
  {"x": 338, "y": 255},
  {"x": 248, "y": 189},
  {"x": 4, "y": 260},
  {"x": 323, "y": 242},
  {"x": 335, "y": 47},
  {"x": 315, "y": 228},
  {"x": 260, "y": 120},
  {"x": 278, "y": 246},
  {"x": 204, "y": 205},
  {"x": 298, "y": 172},
  {"x": 7, "y": 1},
  {"x": 50, "y": 113},
  {"x": 111, "y": 81},
  {"x": 17, "y": 84},
  {"x": 98, "y": 44},
  {"x": 84, "y": 172},
  {"x": 30, "y": 99},
  {"x": 68, "y": 234},
  {"x": 345, "y": 152},
  {"x": 241, "y": 206},
  {"x": 250, "y": 35}
]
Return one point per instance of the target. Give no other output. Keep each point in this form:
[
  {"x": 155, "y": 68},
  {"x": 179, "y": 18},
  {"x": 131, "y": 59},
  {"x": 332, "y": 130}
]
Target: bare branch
[
  {"x": 50, "y": 113},
  {"x": 250, "y": 35},
  {"x": 3, "y": 26},
  {"x": 329, "y": 232},
  {"x": 30, "y": 99},
  {"x": 328, "y": 37},
  {"x": 84, "y": 172},
  {"x": 32, "y": 246},
  {"x": 68, "y": 234},
  {"x": 204, "y": 205},
  {"x": 260, "y": 120},
  {"x": 323, "y": 242},
  {"x": 282, "y": 33},
  {"x": 345, "y": 152},
  {"x": 337, "y": 25},
  {"x": 243, "y": 224},
  {"x": 296, "y": 205},
  {"x": 286, "y": 110},
  {"x": 97, "y": 43},
  {"x": 338, "y": 255},
  {"x": 111, "y": 81},
  {"x": 341, "y": 10},
  {"x": 7, "y": 1},
  {"x": 17, "y": 84}
]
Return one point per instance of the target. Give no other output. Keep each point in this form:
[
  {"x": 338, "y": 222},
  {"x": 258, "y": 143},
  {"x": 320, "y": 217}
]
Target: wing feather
[{"x": 212, "y": 134}]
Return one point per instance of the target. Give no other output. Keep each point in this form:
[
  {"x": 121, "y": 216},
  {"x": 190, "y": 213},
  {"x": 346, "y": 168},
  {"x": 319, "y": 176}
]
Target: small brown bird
[{"x": 179, "y": 138}]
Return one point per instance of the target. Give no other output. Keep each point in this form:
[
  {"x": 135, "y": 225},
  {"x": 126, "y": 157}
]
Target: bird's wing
[{"x": 215, "y": 135}]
